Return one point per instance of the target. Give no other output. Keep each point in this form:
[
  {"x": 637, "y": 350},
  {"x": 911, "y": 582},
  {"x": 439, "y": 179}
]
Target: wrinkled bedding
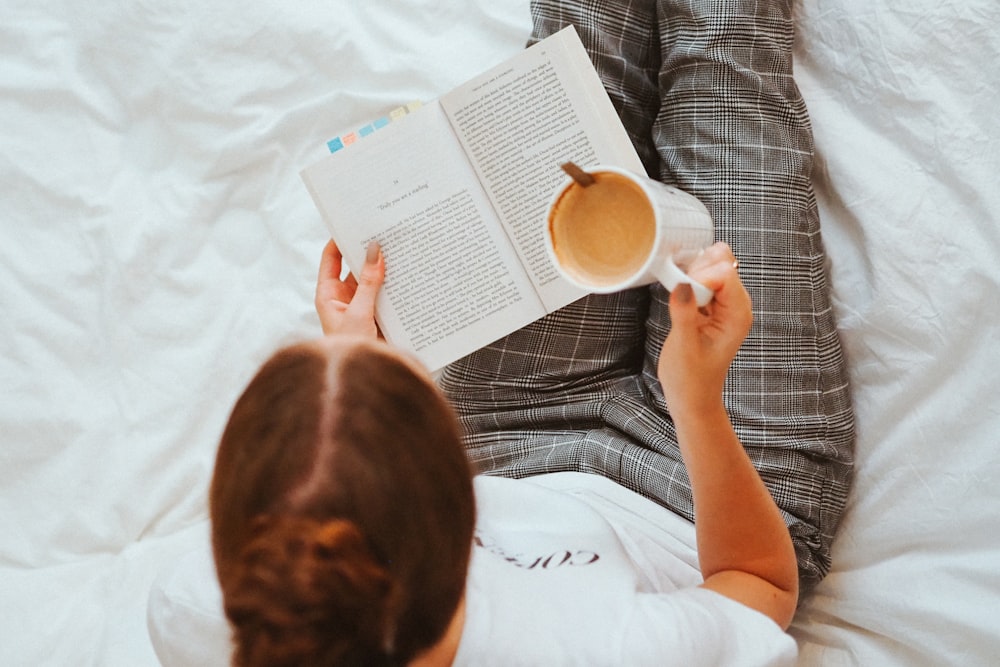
[{"x": 157, "y": 244}]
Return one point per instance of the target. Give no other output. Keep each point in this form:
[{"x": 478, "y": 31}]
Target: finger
[
  {"x": 369, "y": 282},
  {"x": 715, "y": 268},
  {"x": 716, "y": 276},
  {"x": 331, "y": 262},
  {"x": 328, "y": 280},
  {"x": 718, "y": 251}
]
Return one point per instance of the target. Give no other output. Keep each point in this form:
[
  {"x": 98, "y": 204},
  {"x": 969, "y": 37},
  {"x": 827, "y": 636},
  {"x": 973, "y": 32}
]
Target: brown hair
[{"x": 342, "y": 510}]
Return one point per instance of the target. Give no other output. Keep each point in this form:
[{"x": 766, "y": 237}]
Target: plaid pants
[{"x": 705, "y": 90}]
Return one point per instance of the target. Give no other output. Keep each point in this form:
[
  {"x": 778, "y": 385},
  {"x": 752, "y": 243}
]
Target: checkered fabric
[{"x": 705, "y": 90}]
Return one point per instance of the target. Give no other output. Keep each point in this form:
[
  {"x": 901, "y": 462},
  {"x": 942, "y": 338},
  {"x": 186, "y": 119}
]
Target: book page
[
  {"x": 453, "y": 281},
  {"x": 519, "y": 122}
]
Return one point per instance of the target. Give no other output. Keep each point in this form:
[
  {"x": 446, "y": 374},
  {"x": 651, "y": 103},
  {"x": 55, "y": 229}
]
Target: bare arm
[{"x": 744, "y": 548}]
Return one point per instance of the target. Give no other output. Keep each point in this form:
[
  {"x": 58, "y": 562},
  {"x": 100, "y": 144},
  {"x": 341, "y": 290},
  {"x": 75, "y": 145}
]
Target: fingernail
[
  {"x": 373, "y": 250},
  {"x": 684, "y": 293}
]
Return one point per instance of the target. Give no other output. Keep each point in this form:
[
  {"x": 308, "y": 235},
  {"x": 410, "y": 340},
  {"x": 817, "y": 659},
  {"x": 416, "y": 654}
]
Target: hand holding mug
[{"x": 702, "y": 342}]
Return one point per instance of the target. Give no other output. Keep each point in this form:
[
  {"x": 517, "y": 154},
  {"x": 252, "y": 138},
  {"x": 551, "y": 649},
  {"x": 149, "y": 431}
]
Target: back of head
[{"x": 342, "y": 510}]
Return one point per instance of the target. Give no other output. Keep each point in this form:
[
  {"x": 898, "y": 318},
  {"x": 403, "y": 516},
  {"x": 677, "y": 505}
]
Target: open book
[{"x": 456, "y": 193}]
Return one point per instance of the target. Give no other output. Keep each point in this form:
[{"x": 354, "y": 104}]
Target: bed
[{"x": 158, "y": 243}]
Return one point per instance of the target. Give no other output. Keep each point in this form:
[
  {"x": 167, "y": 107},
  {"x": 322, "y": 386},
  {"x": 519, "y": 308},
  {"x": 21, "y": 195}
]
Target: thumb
[{"x": 683, "y": 309}]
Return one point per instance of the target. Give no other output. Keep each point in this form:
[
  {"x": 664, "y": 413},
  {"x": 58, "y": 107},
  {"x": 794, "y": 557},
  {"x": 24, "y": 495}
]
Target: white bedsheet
[{"x": 157, "y": 244}]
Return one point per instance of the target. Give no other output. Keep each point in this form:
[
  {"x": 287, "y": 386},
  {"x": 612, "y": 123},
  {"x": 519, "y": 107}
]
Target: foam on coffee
[{"x": 603, "y": 233}]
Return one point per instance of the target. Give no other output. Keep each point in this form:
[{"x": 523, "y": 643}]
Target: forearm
[{"x": 739, "y": 527}]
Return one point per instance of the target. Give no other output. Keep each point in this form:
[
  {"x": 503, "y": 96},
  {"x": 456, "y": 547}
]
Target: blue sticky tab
[
  {"x": 366, "y": 130},
  {"x": 379, "y": 123},
  {"x": 335, "y": 145}
]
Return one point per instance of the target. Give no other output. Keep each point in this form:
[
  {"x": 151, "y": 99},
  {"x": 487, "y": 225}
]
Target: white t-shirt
[
  {"x": 573, "y": 569},
  {"x": 567, "y": 569}
]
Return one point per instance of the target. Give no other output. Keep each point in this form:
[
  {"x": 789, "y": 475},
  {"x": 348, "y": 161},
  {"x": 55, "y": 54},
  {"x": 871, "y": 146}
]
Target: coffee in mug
[{"x": 623, "y": 230}]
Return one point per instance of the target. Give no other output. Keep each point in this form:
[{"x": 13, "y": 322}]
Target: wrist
[
  {"x": 692, "y": 410},
  {"x": 692, "y": 398}
]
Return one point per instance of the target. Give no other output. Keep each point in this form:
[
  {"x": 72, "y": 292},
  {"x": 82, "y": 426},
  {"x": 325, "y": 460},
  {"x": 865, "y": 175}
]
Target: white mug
[{"x": 624, "y": 230}]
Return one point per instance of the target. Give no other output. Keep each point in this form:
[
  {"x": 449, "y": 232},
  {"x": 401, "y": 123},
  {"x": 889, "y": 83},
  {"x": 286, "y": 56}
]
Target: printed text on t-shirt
[{"x": 548, "y": 561}]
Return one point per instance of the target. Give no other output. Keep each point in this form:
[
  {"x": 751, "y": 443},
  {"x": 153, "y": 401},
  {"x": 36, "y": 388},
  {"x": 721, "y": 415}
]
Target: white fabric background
[{"x": 156, "y": 244}]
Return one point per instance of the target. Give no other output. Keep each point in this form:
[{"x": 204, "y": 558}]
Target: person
[
  {"x": 343, "y": 515},
  {"x": 646, "y": 404}
]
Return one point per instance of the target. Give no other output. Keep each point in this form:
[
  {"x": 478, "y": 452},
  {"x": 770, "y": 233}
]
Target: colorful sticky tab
[{"x": 347, "y": 139}]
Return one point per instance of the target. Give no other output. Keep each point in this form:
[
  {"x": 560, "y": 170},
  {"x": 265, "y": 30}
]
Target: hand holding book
[
  {"x": 456, "y": 192},
  {"x": 348, "y": 306}
]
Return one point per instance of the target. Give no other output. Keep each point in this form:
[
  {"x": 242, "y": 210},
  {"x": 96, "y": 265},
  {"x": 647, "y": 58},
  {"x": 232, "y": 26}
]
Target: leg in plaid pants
[{"x": 705, "y": 90}]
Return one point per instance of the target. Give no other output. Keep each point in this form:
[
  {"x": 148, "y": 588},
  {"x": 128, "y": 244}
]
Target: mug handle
[{"x": 671, "y": 276}]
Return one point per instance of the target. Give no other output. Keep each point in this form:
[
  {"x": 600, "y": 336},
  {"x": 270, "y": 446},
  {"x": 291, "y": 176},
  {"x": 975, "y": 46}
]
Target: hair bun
[{"x": 309, "y": 592}]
